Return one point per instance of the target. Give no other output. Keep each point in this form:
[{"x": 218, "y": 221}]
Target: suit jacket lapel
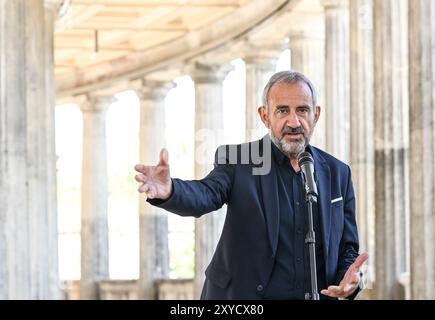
[{"x": 324, "y": 199}]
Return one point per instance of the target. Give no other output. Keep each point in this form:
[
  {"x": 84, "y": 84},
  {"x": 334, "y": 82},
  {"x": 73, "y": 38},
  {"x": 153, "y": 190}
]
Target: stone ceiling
[
  {"x": 96, "y": 31},
  {"x": 99, "y": 42}
]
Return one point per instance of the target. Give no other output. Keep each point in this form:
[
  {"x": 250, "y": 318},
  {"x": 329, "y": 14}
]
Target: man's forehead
[
  {"x": 294, "y": 91},
  {"x": 296, "y": 87}
]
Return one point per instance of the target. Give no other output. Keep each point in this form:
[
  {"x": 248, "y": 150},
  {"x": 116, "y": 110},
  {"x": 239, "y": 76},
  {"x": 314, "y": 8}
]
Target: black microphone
[{"x": 306, "y": 163}]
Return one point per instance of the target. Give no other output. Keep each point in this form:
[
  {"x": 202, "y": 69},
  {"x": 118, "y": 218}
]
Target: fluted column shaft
[
  {"x": 37, "y": 146},
  {"x": 308, "y": 57},
  {"x": 362, "y": 150},
  {"x": 51, "y": 12},
  {"x": 391, "y": 145},
  {"x": 422, "y": 149},
  {"x": 94, "y": 229},
  {"x": 336, "y": 109},
  {"x": 153, "y": 222},
  {"x": 27, "y": 246},
  {"x": 208, "y": 134}
]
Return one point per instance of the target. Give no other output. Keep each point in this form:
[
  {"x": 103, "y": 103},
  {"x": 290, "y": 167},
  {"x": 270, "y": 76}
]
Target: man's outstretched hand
[
  {"x": 350, "y": 280},
  {"x": 155, "y": 180}
]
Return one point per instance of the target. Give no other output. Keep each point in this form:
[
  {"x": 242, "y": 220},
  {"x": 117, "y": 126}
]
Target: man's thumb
[
  {"x": 360, "y": 260},
  {"x": 164, "y": 156}
]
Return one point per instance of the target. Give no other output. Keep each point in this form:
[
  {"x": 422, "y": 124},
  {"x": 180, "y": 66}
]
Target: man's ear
[
  {"x": 317, "y": 114},
  {"x": 264, "y": 116}
]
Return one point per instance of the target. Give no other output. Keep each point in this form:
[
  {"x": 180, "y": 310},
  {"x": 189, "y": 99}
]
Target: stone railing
[
  {"x": 175, "y": 289},
  {"x": 119, "y": 290},
  {"x": 183, "y": 289},
  {"x": 71, "y": 289},
  {"x": 402, "y": 289},
  {"x": 366, "y": 294},
  {"x": 128, "y": 289}
]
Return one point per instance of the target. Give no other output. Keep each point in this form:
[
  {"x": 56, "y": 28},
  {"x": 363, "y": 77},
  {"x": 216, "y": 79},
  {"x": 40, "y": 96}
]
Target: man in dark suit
[{"x": 262, "y": 252}]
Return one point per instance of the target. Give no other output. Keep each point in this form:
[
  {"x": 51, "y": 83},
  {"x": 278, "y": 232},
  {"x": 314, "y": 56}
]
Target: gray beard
[{"x": 289, "y": 150}]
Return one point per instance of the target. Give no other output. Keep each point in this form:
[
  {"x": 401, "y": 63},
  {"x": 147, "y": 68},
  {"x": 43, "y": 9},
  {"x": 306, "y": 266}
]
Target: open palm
[
  {"x": 155, "y": 180},
  {"x": 350, "y": 281}
]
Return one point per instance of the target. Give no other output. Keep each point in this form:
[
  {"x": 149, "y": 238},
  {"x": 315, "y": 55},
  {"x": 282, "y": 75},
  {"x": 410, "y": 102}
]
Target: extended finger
[
  {"x": 143, "y": 188},
  {"x": 333, "y": 291},
  {"x": 140, "y": 178},
  {"x": 360, "y": 260},
  {"x": 149, "y": 191},
  {"x": 141, "y": 168},
  {"x": 164, "y": 157}
]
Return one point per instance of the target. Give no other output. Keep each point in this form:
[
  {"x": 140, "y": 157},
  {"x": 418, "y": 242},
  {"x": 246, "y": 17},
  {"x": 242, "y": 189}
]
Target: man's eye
[{"x": 282, "y": 111}]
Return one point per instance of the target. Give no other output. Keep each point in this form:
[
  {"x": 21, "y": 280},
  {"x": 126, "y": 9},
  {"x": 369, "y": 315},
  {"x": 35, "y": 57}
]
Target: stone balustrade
[{"x": 170, "y": 289}]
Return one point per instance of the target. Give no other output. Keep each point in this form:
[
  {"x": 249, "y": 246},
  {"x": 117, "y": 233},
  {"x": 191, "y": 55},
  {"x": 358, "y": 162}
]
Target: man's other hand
[{"x": 350, "y": 280}]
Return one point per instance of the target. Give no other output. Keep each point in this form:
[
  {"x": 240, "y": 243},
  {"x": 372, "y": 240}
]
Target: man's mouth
[{"x": 294, "y": 135}]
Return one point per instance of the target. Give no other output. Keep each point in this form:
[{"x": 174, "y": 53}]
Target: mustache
[{"x": 289, "y": 130}]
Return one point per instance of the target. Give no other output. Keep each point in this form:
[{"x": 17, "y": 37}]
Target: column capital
[
  {"x": 208, "y": 73},
  {"x": 96, "y": 102},
  {"x": 335, "y": 4},
  {"x": 154, "y": 89},
  {"x": 262, "y": 55}
]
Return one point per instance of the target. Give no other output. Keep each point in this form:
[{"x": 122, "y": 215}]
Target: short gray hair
[{"x": 288, "y": 77}]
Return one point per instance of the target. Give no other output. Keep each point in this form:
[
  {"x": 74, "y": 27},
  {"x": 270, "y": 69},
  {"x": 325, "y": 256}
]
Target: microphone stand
[
  {"x": 306, "y": 164},
  {"x": 310, "y": 240}
]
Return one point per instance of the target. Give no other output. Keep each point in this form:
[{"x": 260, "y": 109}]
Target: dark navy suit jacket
[{"x": 244, "y": 257}]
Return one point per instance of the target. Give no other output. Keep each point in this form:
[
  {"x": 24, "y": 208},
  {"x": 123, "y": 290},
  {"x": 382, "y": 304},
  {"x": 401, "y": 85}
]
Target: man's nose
[{"x": 293, "y": 120}]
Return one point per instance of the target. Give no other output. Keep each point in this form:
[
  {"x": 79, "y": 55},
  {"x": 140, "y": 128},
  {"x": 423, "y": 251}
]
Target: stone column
[
  {"x": 336, "y": 109},
  {"x": 51, "y": 12},
  {"x": 94, "y": 230},
  {"x": 422, "y": 150},
  {"x": 362, "y": 150},
  {"x": 26, "y": 248},
  {"x": 260, "y": 65},
  {"x": 154, "y": 249},
  {"x": 391, "y": 145},
  {"x": 37, "y": 147},
  {"x": 308, "y": 56},
  {"x": 208, "y": 132}
]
